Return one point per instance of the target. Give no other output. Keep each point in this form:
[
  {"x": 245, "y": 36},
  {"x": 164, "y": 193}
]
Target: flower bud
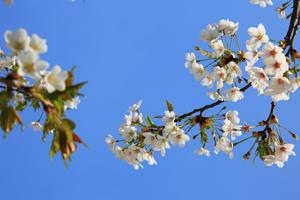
[
  {"x": 197, "y": 48},
  {"x": 246, "y": 156},
  {"x": 288, "y": 60},
  {"x": 257, "y": 134},
  {"x": 240, "y": 80},
  {"x": 274, "y": 119},
  {"x": 294, "y": 54},
  {"x": 262, "y": 123},
  {"x": 282, "y": 44},
  {"x": 195, "y": 136},
  {"x": 295, "y": 136},
  {"x": 271, "y": 132}
]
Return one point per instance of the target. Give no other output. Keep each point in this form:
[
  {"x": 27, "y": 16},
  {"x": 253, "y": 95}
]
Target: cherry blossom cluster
[
  {"x": 274, "y": 78},
  {"x": 139, "y": 144},
  {"x": 271, "y": 80},
  {"x": 25, "y": 61},
  {"x": 226, "y": 68}
]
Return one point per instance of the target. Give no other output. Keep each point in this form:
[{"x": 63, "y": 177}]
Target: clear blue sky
[{"x": 129, "y": 51}]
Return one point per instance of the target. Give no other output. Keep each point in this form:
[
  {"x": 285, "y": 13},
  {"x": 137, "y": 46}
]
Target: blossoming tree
[
  {"x": 53, "y": 92},
  {"x": 140, "y": 137}
]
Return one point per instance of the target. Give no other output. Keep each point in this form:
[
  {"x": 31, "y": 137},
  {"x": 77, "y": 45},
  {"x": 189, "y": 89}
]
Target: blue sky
[{"x": 130, "y": 51}]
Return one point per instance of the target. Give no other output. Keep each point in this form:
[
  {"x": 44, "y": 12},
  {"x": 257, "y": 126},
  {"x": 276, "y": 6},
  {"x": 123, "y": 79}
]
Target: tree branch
[
  {"x": 292, "y": 26},
  {"x": 201, "y": 110}
]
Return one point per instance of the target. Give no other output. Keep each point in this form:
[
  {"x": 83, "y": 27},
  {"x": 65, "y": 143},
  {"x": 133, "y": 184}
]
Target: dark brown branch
[
  {"x": 294, "y": 35},
  {"x": 27, "y": 90},
  {"x": 292, "y": 22},
  {"x": 201, "y": 110},
  {"x": 292, "y": 27},
  {"x": 269, "y": 120}
]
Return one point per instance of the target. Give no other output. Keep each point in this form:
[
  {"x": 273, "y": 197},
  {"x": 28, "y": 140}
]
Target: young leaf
[
  {"x": 21, "y": 106},
  {"x": 149, "y": 121},
  {"x": 170, "y": 107}
]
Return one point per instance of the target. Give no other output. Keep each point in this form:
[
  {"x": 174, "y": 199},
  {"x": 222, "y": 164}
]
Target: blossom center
[
  {"x": 273, "y": 52},
  {"x": 283, "y": 149},
  {"x": 277, "y": 65},
  {"x": 280, "y": 81},
  {"x": 52, "y": 79},
  {"x": 30, "y": 67},
  {"x": 262, "y": 75}
]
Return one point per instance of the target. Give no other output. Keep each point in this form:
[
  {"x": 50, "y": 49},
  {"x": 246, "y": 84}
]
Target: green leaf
[
  {"x": 203, "y": 136},
  {"x": 58, "y": 103},
  {"x": 149, "y": 121},
  {"x": 55, "y": 144},
  {"x": 262, "y": 152},
  {"x": 70, "y": 78},
  {"x": 72, "y": 90},
  {"x": 69, "y": 126},
  {"x": 21, "y": 106},
  {"x": 4, "y": 96},
  {"x": 170, "y": 107},
  {"x": 49, "y": 125},
  {"x": 35, "y": 104},
  {"x": 8, "y": 119}
]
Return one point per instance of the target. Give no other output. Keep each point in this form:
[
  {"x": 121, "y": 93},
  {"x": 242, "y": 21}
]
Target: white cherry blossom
[
  {"x": 295, "y": 82},
  {"x": 56, "y": 79},
  {"x": 282, "y": 152},
  {"x": 169, "y": 117},
  {"x": 137, "y": 153},
  {"x": 269, "y": 160},
  {"x": 252, "y": 53},
  {"x": 208, "y": 81},
  {"x": 30, "y": 65},
  {"x": 231, "y": 129},
  {"x": 219, "y": 74},
  {"x": 72, "y": 104},
  {"x": 149, "y": 139},
  {"x": 215, "y": 95},
  {"x": 231, "y": 28},
  {"x": 225, "y": 145},
  {"x": 191, "y": 58},
  {"x": 218, "y": 47},
  {"x": 137, "y": 118},
  {"x": 276, "y": 65},
  {"x": 210, "y": 34},
  {"x": 270, "y": 50},
  {"x": 129, "y": 133},
  {"x": 258, "y": 35},
  {"x": 135, "y": 107},
  {"x": 119, "y": 152},
  {"x": 37, "y": 44},
  {"x": 161, "y": 145},
  {"x": 179, "y": 138},
  {"x": 198, "y": 71},
  {"x": 262, "y": 3},
  {"x": 150, "y": 159},
  {"x": 222, "y": 24},
  {"x": 110, "y": 141},
  {"x": 232, "y": 117},
  {"x": 278, "y": 88},
  {"x": 234, "y": 71},
  {"x": 36, "y": 126},
  {"x": 18, "y": 97},
  {"x": 233, "y": 94},
  {"x": 202, "y": 151},
  {"x": 17, "y": 42},
  {"x": 280, "y": 11}
]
